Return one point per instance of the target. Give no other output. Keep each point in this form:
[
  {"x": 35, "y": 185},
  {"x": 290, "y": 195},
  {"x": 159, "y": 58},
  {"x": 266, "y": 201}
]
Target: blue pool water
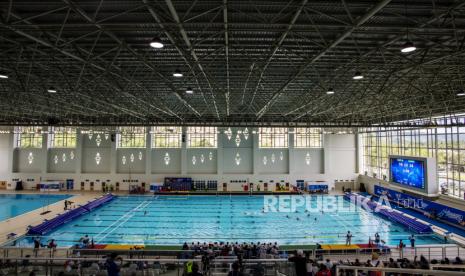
[
  {"x": 170, "y": 220},
  {"x": 13, "y": 205}
]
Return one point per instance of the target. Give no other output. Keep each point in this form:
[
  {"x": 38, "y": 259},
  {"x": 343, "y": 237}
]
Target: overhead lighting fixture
[
  {"x": 51, "y": 90},
  {"x": 408, "y": 47},
  {"x": 3, "y": 76},
  {"x": 156, "y": 43},
  {"x": 357, "y": 76},
  {"x": 189, "y": 90},
  {"x": 177, "y": 73},
  {"x": 330, "y": 91},
  {"x": 461, "y": 93}
]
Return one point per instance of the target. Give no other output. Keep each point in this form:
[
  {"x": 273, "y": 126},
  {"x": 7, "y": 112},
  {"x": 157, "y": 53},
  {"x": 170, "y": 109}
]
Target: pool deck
[{"x": 19, "y": 224}]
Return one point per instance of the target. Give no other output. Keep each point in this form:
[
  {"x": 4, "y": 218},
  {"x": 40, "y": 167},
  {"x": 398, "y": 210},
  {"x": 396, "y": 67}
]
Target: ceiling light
[
  {"x": 330, "y": 91},
  {"x": 156, "y": 43},
  {"x": 461, "y": 93},
  {"x": 189, "y": 90},
  {"x": 408, "y": 47},
  {"x": 51, "y": 90},
  {"x": 3, "y": 76},
  {"x": 177, "y": 73},
  {"x": 357, "y": 76}
]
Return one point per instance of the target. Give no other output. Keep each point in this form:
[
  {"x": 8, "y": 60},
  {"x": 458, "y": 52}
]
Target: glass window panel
[
  {"x": 272, "y": 137},
  {"x": 131, "y": 137},
  {"x": 202, "y": 137},
  {"x": 166, "y": 137},
  {"x": 28, "y": 137}
]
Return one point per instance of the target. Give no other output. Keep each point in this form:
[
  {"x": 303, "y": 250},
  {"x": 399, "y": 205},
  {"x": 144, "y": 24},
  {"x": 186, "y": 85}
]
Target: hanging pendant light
[
  {"x": 177, "y": 73},
  {"x": 408, "y": 47},
  {"x": 156, "y": 43},
  {"x": 357, "y": 76}
]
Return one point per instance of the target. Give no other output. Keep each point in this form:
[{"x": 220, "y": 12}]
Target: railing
[
  {"x": 95, "y": 266},
  {"x": 399, "y": 271},
  {"x": 438, "y": 252}
]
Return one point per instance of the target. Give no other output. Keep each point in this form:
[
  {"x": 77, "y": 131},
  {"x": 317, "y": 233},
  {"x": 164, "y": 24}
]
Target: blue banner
[{"x": 429, "y": 208}]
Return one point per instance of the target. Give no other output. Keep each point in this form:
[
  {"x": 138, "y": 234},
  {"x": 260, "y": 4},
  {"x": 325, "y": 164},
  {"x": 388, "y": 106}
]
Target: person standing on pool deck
[
  {"x": 412, "y": 240},
  {"x": 36, "y": 246},
  {"x": 348, "y": 238}
]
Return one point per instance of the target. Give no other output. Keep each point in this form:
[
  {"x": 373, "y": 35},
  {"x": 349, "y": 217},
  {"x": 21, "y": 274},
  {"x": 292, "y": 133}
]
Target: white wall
[{"x": 335, "y": 161}]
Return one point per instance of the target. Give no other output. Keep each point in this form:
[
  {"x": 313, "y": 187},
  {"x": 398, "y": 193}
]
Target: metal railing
[
  {"x": 438, "y": 252},
  {"x": 355, "y": 270},
  {"x": 95, "y": 266}
]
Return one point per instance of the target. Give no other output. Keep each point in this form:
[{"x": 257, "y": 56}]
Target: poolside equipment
[
  {"x": 390, "y": 214},
  {"x": 49, "y": 225}
]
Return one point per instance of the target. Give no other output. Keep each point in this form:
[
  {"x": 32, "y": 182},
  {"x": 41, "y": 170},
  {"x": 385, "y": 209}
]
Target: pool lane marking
[{"x": 125, "y": 217}]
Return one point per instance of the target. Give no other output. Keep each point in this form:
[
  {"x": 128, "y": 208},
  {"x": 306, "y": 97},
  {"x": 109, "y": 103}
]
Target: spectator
[
  {"x": 195, "y": 270},
  {"x": 111, "y": 266},
  {"x": 324, "y": 271},
  {"x": 235, "y": 270},
  {"x": 300, "y": 263}
]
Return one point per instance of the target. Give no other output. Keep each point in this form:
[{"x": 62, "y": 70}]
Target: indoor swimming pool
[
  {"x": 173, "y": 220},
  {"x": 13, "y": 205}
]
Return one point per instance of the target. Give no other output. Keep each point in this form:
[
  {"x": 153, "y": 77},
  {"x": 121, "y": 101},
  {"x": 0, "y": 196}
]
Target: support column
[
  {"x": 219, "y": 155},
  {"x": 184, "y": 151},
  {"x": 291, "y": 153},
  {"x": 148, "y": 157},
  {"x": 113, "y": 157},
  {"x": 44, "y": 153},
  {"x": 255, "y": 152},
  {"x": 78, "y": 154}
]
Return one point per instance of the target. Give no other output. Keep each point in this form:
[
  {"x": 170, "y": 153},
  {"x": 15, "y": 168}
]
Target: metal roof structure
[{"x": 248, "y": 62}]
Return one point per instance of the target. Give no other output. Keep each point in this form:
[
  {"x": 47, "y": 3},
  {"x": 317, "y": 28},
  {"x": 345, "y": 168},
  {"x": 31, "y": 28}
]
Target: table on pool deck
[{"x": 19, "y": 223}]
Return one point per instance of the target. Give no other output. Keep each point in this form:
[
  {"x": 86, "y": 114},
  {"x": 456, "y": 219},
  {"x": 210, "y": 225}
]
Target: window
[
  {"x": 202, "y": 137},
  {"x": 273, "y": 137},
  {"x": 62, "y": 137},
  {"x": 445, "y": 143},
  {"x": 166, "y": 137},
  {"x": 308, "y": 137},
  {"x": 28, "y": 137},
  {"x": 131, "y": 137}
]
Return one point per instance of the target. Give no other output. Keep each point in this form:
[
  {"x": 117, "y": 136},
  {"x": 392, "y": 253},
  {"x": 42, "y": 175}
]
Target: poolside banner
[{"x": 429, "y": 208}]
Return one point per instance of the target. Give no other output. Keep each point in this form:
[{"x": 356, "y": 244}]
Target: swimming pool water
[
  {"x": 13, "y": 205},
  {"x": 173, "y": 220}
]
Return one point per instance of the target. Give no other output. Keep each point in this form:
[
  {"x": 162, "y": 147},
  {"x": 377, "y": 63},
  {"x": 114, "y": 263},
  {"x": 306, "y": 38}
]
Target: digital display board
[{"x": 408, "y": 172}]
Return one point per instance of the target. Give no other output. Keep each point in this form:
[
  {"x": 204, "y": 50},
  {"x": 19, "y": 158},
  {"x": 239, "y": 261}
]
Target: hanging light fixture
[
  {"x": 177, "y": 73},
  {"x": 51, "y": 90},
  {"x": 156, "y": 43},
  {"x": 408, "y": 47},
  {"x": 330, "y": 91},
  {"x": 357, "y": 76},
  {"x": 461, "y": 93},
  {"x": 3, "y": 75},
  {"x": 189, "y": 90}
]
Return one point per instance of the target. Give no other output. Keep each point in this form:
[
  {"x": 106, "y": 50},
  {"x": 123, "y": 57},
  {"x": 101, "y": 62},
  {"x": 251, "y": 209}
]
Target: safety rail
[
  {"x": 400, "y": 271},
  {"x": 438, "y": 252},
  {"x": 95, "y": 266}
]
